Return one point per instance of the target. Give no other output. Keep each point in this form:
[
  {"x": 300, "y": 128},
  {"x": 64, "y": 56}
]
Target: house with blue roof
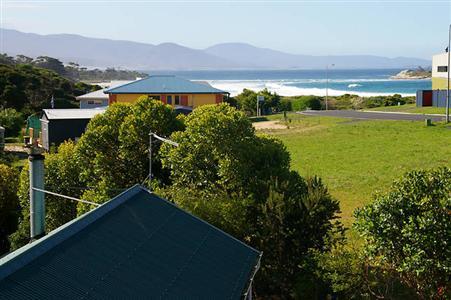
[
  {"x": 170, "y": 89},
  {"x": 135, "y": 246}
]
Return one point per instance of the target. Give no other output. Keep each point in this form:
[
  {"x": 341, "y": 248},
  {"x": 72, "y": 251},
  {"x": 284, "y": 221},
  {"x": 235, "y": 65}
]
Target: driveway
[{"x": 354, "y": 114}]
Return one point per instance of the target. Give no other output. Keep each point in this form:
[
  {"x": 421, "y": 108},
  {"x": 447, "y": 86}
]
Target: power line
[{"x": 66, "y": 197}]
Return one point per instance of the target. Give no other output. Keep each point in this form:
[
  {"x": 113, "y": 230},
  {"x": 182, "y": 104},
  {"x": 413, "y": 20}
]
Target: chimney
[{"x": 37, "y": 200}]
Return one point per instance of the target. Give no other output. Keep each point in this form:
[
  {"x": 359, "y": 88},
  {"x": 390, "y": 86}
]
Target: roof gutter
[{"x": 251, "y": 279}]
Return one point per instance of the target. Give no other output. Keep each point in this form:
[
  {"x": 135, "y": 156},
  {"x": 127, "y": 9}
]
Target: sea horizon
[{"x": 362, "y": 82}]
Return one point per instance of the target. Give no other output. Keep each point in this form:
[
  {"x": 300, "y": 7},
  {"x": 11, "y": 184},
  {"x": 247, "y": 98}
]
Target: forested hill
[
  {"x": 72, "y": 70},
  {"x": 28, "y": 89}
]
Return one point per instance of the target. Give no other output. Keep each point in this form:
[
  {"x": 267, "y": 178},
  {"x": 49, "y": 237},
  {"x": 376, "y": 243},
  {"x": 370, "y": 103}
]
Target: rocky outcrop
[{"x": 412, "y": 74}]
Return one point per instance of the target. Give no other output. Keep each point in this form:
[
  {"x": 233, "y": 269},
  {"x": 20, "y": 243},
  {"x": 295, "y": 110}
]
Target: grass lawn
[
  {"x": 356, "y": 158},
  {"x": 411, "y": 108}
]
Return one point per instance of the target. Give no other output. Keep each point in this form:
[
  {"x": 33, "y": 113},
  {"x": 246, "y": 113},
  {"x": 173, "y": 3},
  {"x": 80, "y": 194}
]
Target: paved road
[{"x": 371, "y": 115}]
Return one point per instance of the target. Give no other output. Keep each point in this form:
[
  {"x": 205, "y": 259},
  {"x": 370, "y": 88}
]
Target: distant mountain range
[{"x": 101, "y": 53}]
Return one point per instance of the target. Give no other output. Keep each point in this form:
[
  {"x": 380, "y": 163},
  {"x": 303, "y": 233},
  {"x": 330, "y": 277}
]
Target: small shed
[{"x": 59, "y": 125}]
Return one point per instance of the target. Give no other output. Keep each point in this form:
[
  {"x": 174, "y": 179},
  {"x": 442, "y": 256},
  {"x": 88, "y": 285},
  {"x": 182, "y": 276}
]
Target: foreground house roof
[
  {"x": 135, "y": 245},
  {"x": 164, "y": 84}
]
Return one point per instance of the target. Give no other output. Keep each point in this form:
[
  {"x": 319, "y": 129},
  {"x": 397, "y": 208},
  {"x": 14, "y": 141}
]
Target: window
[
  {"x": 177, "y": 99},
  {"x": 155, "y": 97},
  {"x": 442, "y": 69},
  {"x": 92, "y": 102},
  {"x": 169, "y": 99}
]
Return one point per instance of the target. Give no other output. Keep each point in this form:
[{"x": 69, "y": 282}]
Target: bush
[
  {"x": 408, "y": 231},
  {"x": 9, "y": 205},
  {"x": 247, "y": 102},
  {"x": 12, "y": 120},
  {"x": 304, "y": 102},
  {"x": 285, "y": 104}
]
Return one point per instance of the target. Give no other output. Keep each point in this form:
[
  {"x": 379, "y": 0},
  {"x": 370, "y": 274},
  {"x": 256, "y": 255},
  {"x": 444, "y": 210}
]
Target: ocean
[{"x": 308, "y": 82}]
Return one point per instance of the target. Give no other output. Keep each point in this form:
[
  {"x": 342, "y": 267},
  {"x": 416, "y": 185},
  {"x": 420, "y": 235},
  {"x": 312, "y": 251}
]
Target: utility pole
[
  {"x": 327, "y": 84},
  {"x": 151, "y": 136},
  {"x": 447, "y": 91},
  {"x": 259, "y": 99}
]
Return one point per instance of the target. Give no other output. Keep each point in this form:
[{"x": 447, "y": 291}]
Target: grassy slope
[
  {"x": 357, "y": 158},
  {"x": 411, "y": 108}
]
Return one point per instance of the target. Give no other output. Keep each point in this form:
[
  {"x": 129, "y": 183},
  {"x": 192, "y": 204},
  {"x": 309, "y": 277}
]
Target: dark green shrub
[
  {"x": 9, "y": 205},
  {"x": 304, "y": 102},
  {"x": 408, "y": 231},
  {"x": 285, "y": 105},
  {"x": 12, "y": 120}
]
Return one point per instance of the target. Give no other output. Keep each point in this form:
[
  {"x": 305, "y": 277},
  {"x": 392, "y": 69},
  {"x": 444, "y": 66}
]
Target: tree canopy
[
  {"x": 241, "y": 182},
  {"x": 71, "y": 70},
  {"x": 29, "y": 89},
  {"x": 113, "y": 152},
  {"x": 247, "y": 101},
  {"x": 219, "y": 148}
]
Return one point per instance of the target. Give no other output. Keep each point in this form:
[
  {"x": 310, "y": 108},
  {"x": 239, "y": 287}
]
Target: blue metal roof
[
  {"x": 136, "y": 245},
  {"x": 164, "y": 84}
]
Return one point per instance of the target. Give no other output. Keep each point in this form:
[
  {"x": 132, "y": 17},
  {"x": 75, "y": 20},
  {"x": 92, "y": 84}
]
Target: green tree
[
  {"x": 219, "y": 149},
  {"x": 9, "y": 205},
  {"x": 271, "y": 102},
  {"x": 5, "y": 59},
  {"x": 299, "y": 216},
  {"x": 28, "y": 89},
  {"x": 303, "y": 102},
  {"x": 247, "y": 101},
  {"x": 50, "y": 63},
  {"x": 113, "y": 152},
  {"x": 241, "y": 182},
  {"x": 12, "y": 121},
  {"x": 408, "y": 230},
  {"x": 22, "y": 59}
]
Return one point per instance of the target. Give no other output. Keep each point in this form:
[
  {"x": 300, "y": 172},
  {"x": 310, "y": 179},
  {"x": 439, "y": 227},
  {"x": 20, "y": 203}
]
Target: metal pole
[
  {"x": 257, "y": 107},
  {"x": 150, "y": 156},
  {"x": 327, "y": 84},
  {"x": 447, "y": 92},
  {"x": 37, "y": 199}
]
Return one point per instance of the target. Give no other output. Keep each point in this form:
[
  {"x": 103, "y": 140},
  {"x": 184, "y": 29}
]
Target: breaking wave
[{"x": 286, "y": 88}]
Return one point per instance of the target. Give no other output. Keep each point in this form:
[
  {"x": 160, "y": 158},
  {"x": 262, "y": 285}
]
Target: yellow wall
[
  {"x": 194, "y": 100},
  {"x": 439, "y": 83},
  {"x": 202, "y": 99},
  {"x": 128, "y": 98}
]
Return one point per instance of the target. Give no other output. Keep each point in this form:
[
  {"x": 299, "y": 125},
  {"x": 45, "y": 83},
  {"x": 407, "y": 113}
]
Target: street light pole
[
  {"x": 447, "y": 92},
  {"x": 327, "y": 83}
]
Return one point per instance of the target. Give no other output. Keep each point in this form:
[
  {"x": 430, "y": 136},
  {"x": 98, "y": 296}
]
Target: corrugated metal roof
[
  {"x": 100, "y": 94},
  {"x": 136, "y": 245},
  {"x": 164, "y": 84},
  {"x": 72, "y": 113},
  {"x": 93, "y": 95}
]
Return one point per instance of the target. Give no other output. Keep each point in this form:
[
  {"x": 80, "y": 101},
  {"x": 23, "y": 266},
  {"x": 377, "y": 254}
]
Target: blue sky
[{"x": 388, "y": 28}]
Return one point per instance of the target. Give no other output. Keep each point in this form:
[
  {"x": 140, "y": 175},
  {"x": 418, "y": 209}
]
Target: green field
[
  {"x": 356, "y": 158},
  {"x": 410, "y": 108}
]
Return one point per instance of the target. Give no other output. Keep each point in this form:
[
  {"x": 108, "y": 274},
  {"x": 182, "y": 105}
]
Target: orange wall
[{"x": 194, "y": 100}]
